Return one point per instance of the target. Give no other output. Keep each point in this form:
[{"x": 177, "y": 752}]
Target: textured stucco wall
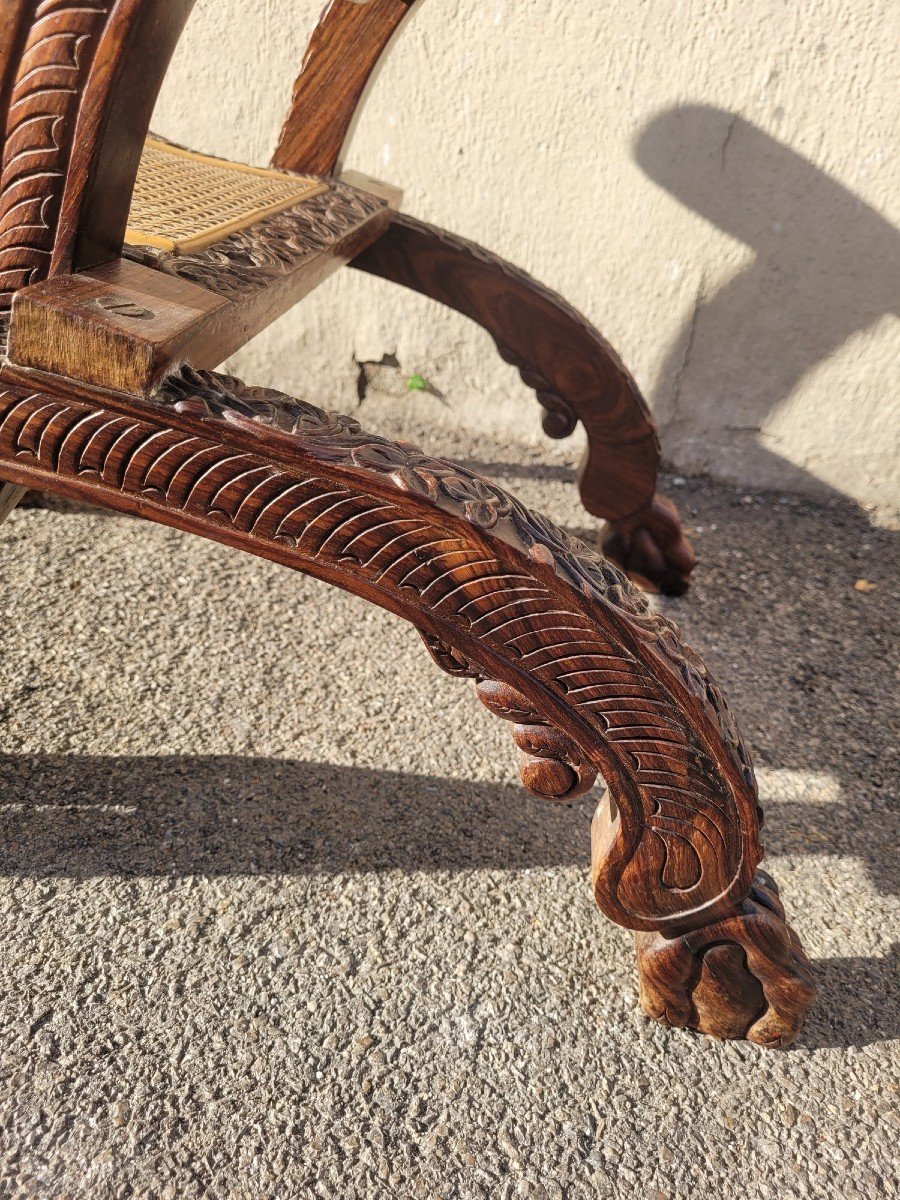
[{"x": 709, "y": 180}]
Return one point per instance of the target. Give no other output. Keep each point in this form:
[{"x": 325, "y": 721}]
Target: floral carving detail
[
  {"x": 481, "y": 503},
  {"x": 340, "y": 439},
  {"x": 251, "y": 260}
]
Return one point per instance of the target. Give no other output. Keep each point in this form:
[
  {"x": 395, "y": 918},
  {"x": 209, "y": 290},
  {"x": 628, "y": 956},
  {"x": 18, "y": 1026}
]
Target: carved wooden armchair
[{"x": 130, "y": 268}]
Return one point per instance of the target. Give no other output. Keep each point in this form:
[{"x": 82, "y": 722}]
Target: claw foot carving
[
  {"x": 650, "y": 546},
  {"x": 745, "y": 976}
]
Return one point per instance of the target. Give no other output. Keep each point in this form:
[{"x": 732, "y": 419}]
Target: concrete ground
[{"x": 278, "y": 922}]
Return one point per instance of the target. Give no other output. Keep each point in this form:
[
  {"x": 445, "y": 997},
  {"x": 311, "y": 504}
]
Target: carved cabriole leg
[
  {"x": 577, "y": 377},
  {"x": 560, "y": 642}
]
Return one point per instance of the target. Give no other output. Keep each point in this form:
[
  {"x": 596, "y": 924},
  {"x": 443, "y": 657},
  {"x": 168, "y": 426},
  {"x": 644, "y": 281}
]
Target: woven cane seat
[{"x": 184, "y": 201}]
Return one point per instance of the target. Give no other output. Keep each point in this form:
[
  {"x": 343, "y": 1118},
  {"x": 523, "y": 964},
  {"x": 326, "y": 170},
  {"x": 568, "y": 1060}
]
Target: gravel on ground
[{"x": 277, "y": 920}]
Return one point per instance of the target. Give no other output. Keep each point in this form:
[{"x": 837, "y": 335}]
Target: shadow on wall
[{"x": 826, "y": 266}]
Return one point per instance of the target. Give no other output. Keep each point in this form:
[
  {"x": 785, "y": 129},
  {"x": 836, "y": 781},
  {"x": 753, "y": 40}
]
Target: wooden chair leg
[
  {"x": 559, "y": 642},
  {"x": 736, "y": 977},
  {"x": 577, "y": 377},
  {"x": 10, "y": 496}
]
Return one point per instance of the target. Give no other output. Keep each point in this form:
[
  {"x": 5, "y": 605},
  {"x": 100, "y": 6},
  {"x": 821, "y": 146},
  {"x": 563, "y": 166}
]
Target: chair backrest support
[
  {"x": 347, "y": 45},
  {"x": 78, "y": 83}
]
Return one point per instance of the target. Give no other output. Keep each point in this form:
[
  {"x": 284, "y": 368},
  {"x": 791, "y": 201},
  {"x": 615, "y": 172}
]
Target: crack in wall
[
  {"x": 699, "y": 301},
  {"x": 366, "y": 368},
  {"x": 728, "y": 135}
]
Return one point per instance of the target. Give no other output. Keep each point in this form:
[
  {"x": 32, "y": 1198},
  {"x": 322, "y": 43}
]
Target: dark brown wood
[
  {"x": 97, "y": 405},
  {"x": 746, "y": 976},
  {"x": 51, "y": 65},
  {"x": 16, "y": 23},
  {"x": 650, "y": 545},
  {"x": 86, "y": 77},
  {"x": 346, "y": 46},
  {"x": 552, "y": 766},
  {"x": 119, "y": 328},
  {"x": 113, "y": 120},
  {"x": 123, "y": 326},
  {"x": 599, "y": 682},
  {"x": 574, "y": 371},
  {"x": 85, "y": 84}
]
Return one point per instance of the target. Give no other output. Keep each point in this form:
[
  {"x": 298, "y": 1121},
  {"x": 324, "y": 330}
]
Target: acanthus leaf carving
[
  {"x": 340, "y": 439},
  {"x": 516, "y": 598}
]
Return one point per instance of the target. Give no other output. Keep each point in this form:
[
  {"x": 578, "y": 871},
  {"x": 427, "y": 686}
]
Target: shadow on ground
[
  {"x": 858, "y": 1002},
  {"x": 83, "y": 817},
  {"x": 775, "y": 612},
  {"x": 79, "y": 817}
]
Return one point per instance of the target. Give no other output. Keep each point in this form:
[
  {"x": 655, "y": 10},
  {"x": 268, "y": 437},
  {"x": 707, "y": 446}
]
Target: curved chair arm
[
  {"x": 346, "y": 46},
  {"x": 577, "y": 377},
  {"x": 558, "y": 640}
]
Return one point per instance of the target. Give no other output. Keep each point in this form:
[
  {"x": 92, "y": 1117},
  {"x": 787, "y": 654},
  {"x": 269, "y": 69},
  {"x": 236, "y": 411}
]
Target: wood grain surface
[
  {"x": 101, "y": 407},
  {"x": 125, "y": 325},
  {"x": 345, "y": 48},
  {"x": 576, "y": 375},
  {"x": 557, "y": 638}
]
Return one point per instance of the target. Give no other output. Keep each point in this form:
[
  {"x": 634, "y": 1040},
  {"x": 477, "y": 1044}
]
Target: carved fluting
[
  {"x": 480, "y": 501},
  {"x": 558, "y": 642},
  {"x": 40, "y": 128},
  {"x": 251, "y": 260},
  {"x": 515, "y": 596},
  {"x": 746, "y": 976},
  {"x": 450, "y": 661}
]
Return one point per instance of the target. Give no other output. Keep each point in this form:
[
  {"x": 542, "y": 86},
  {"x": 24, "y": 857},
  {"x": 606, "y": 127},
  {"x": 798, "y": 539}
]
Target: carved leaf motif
[
  {"x": 251, "y": 260},
  {"x": 340, "y": 439},
  {"x": 517, "y": 598},
  {"x": 43, "y": 109}
]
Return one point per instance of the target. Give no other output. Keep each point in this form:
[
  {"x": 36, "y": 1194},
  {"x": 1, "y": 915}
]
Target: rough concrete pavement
[{"x": 278, "y": 922}]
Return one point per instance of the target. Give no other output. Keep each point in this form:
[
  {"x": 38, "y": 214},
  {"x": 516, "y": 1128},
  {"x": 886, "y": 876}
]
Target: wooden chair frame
[{"x": 107, "y": 394}]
